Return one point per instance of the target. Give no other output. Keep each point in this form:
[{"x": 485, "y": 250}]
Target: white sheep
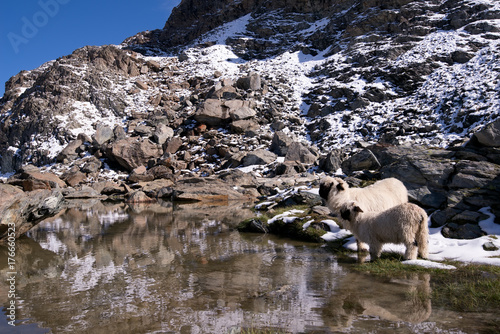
[
  {"x": 403, "y": 224},
  {"x": 381, "y": 195}
]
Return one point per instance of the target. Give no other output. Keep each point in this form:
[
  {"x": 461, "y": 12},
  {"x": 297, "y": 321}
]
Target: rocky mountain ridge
[{"x": 291, "y": 86}]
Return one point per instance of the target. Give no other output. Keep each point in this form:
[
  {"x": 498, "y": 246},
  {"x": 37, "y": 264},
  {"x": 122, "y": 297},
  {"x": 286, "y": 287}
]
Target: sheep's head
[
  {"x": 331, "y": 185},
  {"x": 350, "y": 211}
]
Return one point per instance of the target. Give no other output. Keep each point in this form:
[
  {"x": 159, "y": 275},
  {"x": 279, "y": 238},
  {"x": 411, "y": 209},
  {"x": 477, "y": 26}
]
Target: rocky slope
[{"x": 240, "y": 83}]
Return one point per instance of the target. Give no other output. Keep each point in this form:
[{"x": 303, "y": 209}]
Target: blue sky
[{"x": 35, "y": 31}]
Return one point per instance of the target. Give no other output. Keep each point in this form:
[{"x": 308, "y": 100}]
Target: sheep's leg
[
  {"x": 411, "y": 251},
  {"x": 362, "y": 247},
  {"x": 375, "y": 251}
]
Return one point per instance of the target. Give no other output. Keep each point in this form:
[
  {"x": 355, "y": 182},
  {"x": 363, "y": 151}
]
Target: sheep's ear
[
  {"x": 358, "y": 209},
  {"x": 324, "y": 190},
  {"x": 340, "y": 187}
]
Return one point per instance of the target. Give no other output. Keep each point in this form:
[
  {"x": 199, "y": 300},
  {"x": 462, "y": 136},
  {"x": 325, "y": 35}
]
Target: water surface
[{"x": 113, "y": 268}]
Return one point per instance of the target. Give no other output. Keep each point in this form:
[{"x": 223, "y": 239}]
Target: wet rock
[
  {"x": 24, "y": 210},
  {"x": 83, "y": 191},
  {"x": 139, "y": 197}
]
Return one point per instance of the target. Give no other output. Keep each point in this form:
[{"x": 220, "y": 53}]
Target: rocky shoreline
[{"x": 451, "y": 184}]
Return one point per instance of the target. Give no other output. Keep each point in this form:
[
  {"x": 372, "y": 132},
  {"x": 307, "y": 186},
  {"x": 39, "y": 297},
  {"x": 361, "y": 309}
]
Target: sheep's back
[{"x": 381, "y": 195}]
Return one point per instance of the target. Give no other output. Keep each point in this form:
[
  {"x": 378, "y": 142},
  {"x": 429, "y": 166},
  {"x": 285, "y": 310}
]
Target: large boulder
[
  {"x": 242, "y": 113},
  {"x": 212, "y": 113},
  {"x": 131, "y": 153},
  {"x": 490, "y": 134},
  {"x": 281, "y": 142},
  {"x": 70, "y": 152},
  {"x": 102, "y": 135},
  {"x": 20, "y": 211},
  {"x": 302, "y": 153},
  {"x": 162, "y": 133},
  {"x": 250, "y": 82},
  {"x": 259, "y": 157},
  {"x": 31, "y": 178}
]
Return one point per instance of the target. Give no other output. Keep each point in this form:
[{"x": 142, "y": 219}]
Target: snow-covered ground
[{"x": 441, "y": 248}]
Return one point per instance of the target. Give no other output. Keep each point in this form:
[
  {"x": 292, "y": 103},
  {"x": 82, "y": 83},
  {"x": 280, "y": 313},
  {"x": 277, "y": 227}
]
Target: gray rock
[
  {"x": 143, "y": 130},
  {"x": 92, "y": 165},
  {"x": 242, "y": 113},
  {"x": 259, "y": 157},
  {"x": 139, "y": 197},
  {"x": 243, "y": 126},
  {"x": 119, "y": 132},
  {"x": 82, "y": 192},
  {"x": 162, "y": 134},
  {"x": 332, "y": 162},
  {"x": 466, "y": 231},
  {"x": 251, "y": 82},
  {"x": 102, "y": 135},
  {"x": 364, "y": 160},
  {"x": 490, "y": 247},
  {"x": 490, "y": 134},
  {"x": 300, "y": 152},
  {"x": 206, "y": 189},
  {"x": 212, "y": 113},
  {"x": 70, "y": 152},
  {"x": 280, "y": 143}
]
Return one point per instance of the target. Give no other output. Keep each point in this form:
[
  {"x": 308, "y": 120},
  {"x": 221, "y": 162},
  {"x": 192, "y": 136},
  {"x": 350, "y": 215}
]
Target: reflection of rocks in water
[
  {"x": 394, "y": 300},
  {"x": 33, "y": 264},
  {"x": 163, "y": 268}
]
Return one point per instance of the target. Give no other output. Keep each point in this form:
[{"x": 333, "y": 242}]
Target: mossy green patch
[{"x": 469, "y": 288}]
